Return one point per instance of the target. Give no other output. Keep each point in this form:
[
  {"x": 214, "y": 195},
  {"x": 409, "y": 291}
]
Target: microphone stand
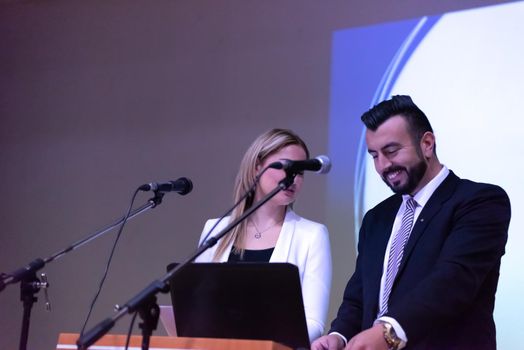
[
  {"x": 145, "y": 301},
  {"x": 30, "y": 284}
]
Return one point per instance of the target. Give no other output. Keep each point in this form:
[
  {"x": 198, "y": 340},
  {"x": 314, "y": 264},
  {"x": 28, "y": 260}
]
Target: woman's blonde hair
[{"x": 264, "y": 146}]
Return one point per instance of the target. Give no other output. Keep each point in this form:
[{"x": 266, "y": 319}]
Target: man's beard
[{"x": 414, "y": 175}]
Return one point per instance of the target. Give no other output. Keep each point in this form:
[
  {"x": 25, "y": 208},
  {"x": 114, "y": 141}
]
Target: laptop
[{"x": 259, "y": 301}]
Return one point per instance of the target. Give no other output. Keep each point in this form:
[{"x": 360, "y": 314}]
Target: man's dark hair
[{"x": 398, "y": 105}]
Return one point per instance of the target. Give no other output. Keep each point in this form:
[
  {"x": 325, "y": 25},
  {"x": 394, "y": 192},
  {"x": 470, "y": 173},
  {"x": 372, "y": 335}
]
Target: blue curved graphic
[
  {"x": 484, "y": 63},
  {"x": 365, "y": 65},
  {"x": 399, "y": 60}
]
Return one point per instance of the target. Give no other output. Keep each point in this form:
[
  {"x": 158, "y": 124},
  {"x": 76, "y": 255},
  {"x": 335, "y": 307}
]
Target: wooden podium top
[{"x": 67, "y": 341}]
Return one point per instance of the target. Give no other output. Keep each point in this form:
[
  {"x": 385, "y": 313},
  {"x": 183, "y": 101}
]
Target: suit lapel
[
  {"x": 432, "y": 207},
  {"x": 281, "y": 252}
]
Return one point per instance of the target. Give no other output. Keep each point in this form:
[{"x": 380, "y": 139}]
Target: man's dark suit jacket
[{"x": 444, "y": 293}]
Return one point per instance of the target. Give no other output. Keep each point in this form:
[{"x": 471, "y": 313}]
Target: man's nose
[{"x": 382, "y": 163}]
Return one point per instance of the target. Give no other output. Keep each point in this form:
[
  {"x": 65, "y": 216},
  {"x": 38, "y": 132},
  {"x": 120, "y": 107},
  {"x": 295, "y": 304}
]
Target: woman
[{"x": 274, "y": 232}]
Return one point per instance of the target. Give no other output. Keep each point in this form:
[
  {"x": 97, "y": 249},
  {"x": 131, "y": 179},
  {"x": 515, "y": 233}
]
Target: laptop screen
[{"x": 260, "y": 301}]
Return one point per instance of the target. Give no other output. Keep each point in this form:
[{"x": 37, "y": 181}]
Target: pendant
[{"x": 258, "y": 235}]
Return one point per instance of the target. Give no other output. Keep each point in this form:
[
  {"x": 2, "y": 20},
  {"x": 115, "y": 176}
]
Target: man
[{"x": 428, "y": 256}]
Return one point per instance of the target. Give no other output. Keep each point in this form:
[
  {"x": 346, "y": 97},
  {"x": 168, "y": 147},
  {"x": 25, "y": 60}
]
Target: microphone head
[
  {"x": 182, "y": 185},
  {"x": 325, "y": 164}
]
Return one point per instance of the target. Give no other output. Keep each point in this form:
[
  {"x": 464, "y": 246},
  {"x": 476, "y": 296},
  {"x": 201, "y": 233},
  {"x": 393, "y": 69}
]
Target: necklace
[{"x": 258, "y": 233}]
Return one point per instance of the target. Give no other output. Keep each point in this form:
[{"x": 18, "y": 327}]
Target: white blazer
[{"x": 305, "y": 244}]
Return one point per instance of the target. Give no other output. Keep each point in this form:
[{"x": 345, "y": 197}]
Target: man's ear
[{"x": 427, "y": 144}]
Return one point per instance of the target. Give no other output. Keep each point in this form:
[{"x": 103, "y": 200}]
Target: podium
[{"x": 67, "y": 341}]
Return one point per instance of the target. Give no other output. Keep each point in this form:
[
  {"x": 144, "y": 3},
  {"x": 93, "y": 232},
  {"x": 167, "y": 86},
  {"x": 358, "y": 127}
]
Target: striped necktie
[{"x": 396, "y": 252}]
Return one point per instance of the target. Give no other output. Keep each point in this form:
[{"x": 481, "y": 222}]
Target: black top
[{"x": 262, "y": 255}]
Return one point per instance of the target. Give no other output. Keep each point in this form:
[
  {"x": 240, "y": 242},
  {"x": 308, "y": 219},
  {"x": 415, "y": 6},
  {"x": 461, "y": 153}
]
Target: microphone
[
  {"x": 320, "y": 165},
  {"x": 182, "y": 186}
]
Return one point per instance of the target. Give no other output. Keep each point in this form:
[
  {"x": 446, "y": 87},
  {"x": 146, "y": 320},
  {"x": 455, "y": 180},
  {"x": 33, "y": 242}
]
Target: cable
[
  {"x": 109, "y": 261},
  {"x": 131, "y": 325}
]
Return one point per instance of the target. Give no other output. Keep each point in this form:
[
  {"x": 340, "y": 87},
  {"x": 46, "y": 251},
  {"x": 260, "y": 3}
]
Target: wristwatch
[{"x": 391, "y": 338}]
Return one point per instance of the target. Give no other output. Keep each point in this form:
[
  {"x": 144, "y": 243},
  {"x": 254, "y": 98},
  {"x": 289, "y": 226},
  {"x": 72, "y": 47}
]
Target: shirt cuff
[
  {"x": 399, "y": 331},
  {"x": 341, "y": 337}
]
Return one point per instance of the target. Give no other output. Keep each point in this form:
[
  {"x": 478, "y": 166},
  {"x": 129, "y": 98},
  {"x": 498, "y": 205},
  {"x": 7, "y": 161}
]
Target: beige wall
[{"x": 98, "y": 97}]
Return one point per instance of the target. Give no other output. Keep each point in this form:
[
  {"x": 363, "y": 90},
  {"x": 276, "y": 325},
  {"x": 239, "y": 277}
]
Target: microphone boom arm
[
  {"x": 161, "y": 285},
  {"x": 30, "y": 284},
  {"x": 39, "y": 263}
]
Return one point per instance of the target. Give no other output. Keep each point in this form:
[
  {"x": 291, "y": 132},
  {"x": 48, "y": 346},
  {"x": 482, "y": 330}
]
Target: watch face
[{"x": 390, "y": 336}]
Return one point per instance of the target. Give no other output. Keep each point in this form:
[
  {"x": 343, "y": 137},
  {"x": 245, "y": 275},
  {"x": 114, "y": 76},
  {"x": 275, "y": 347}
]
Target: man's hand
[
  {"x": 370, "y": 339},
  {"x": 328, "y": 342}
]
